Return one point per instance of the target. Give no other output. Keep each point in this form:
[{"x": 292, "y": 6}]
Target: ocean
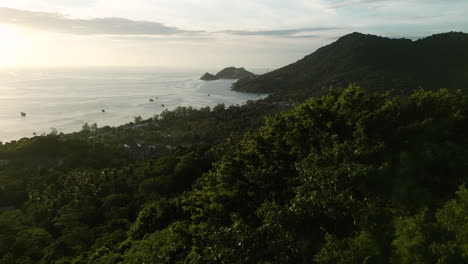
[{"x": 65, "y": 99}]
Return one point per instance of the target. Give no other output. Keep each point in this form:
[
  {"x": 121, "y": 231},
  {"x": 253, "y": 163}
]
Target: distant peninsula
[{"x": 228, "y": 73}]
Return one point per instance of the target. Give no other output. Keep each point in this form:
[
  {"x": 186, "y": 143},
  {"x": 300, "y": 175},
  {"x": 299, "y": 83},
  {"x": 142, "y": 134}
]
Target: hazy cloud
[
  {"x": 279, "y": 33},
  {"x": 353, "y": 2},
  {"x": 306, "y": 37},
  {"x": 57, "y": 23},
  {"x": 358, "y": 2}
]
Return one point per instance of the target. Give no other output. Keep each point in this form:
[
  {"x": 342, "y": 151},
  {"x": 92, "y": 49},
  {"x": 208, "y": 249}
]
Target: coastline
[{"x": 80, "y": 99}]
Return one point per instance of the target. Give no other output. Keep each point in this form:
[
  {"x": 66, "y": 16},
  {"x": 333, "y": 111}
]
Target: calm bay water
[{"x": 65, "y": 99}]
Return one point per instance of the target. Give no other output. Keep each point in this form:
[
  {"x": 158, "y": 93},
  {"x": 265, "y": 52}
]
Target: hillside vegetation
[
  {"x": 355, "y": 175},
  {"x": 347, "y": 178},
  {"x": 375, "y": 63}
]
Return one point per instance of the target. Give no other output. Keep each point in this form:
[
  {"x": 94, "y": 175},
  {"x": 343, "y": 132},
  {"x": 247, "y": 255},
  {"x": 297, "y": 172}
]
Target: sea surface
[{"x": 65, "y": 99}]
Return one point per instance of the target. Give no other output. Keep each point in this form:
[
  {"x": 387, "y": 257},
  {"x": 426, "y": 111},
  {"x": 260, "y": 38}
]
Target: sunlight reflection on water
[{"x": 66, "y": 99}]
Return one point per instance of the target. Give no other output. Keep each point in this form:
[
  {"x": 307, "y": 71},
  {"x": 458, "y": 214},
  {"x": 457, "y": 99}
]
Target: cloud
[
  {"x": 121, "y": 27},
  {"x": 361, "y": 2},
  {"x": 354, "y": 2},
  {"x": 306, "y": 37},
  {"x": 293, "y": 33},
  {"x": 57, "y": 23}
]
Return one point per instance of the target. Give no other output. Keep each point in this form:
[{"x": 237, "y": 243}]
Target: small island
[
  {"x": 209, "y": 77},
  {"x": 228, "y": 73}
]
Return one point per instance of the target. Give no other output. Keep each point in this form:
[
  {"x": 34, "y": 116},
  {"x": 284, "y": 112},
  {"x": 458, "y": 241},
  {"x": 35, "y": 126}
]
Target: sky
[{"x": 204, "y": 33}]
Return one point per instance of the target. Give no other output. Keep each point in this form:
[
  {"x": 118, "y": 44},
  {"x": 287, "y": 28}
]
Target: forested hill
[
  {"x": 375, "y": 63},
  {"x": 347, "y": 178},
  {"x": 354, "y": 176}
]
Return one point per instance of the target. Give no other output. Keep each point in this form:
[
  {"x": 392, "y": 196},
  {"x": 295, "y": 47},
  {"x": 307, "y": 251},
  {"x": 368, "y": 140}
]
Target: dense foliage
[
  {"x": 351, "y": 177},
  {"x": 378, "y": 63}
]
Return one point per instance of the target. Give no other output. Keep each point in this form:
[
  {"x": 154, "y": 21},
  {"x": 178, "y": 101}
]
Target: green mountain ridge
[{"x": 376, "y": 63}]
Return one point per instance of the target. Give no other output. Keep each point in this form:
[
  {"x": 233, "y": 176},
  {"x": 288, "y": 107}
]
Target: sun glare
[{"x": 10, "y": 44}]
